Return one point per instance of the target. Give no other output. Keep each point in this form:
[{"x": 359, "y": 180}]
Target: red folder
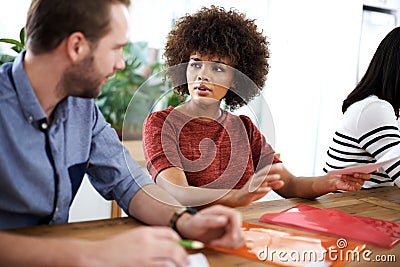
[{"x": 335, "y": 222}]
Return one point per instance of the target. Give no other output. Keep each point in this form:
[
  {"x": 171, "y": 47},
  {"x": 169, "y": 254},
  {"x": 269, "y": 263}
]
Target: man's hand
[
  {"x": 143, "y": 246},
  {"x": 216, "y": 225}
]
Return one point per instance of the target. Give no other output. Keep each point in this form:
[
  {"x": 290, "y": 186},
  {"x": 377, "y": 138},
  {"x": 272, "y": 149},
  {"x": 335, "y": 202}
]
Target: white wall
[
  {"x": 12, "y": 19},
  {"x": 314, "y": 55},
  {"x": 88, "y": 204}
]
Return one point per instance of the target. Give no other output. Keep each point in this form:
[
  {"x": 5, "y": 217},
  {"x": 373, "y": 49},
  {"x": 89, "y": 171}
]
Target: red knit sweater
[{"x": 222, "y": 153}]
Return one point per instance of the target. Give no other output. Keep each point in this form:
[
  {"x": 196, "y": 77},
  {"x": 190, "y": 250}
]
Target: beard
[{"x": 81, "y": 79}]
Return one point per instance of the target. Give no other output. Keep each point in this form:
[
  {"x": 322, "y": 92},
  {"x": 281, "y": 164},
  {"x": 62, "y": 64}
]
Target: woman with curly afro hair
[
  {"x": 236, "y": 39},
  {"x": 203, "y": 154}
]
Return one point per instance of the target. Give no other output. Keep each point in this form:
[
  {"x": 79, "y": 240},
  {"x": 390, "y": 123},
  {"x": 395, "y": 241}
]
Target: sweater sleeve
[
  {"x": 160, "y": 144},
  {"x": 262, "y": 152}
]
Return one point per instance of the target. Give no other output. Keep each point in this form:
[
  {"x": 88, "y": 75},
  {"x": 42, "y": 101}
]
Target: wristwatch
[{"x": 177, "y": 214}]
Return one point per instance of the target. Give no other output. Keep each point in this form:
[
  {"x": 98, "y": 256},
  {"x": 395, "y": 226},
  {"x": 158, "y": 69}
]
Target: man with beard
[{"x": 53, "y": 133}]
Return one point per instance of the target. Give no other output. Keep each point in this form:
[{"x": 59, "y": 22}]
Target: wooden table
[{"x": 381, "y": 203}]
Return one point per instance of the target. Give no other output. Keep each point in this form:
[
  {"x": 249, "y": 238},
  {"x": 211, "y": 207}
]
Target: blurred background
[{"x": 319, "y": 51}]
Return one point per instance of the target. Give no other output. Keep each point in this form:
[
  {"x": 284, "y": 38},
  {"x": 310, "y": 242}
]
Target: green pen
[{"x": 191, "y": 244}]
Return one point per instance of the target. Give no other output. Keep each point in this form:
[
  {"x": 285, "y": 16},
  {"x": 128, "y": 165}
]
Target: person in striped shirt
[{"x": 369, "y": 128}]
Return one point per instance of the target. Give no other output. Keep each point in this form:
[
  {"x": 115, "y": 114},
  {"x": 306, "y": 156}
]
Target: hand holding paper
[{"x": 367, "y": 168}]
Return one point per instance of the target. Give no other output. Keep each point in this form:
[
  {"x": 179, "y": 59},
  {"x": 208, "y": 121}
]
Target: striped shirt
[{"x": 369, "y": 131}]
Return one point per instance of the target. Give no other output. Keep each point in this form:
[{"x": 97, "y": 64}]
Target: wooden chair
[{"x": 135, "y": 148}]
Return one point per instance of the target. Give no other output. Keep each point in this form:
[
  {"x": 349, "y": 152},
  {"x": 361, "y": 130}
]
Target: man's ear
[{"x": 77, "y": 46}]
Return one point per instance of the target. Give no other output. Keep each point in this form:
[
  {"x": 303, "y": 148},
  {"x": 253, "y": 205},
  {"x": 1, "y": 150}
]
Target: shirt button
[
  {"x": 56, "y": 209},
  {"x": 44, "y": 126},
  {"x": 30, "y": 118}
]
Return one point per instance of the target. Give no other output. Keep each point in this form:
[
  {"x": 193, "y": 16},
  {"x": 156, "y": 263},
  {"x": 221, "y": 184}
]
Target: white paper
[
  {"x": 198, "y": 260},
  {"x": 366, "y": 168}
]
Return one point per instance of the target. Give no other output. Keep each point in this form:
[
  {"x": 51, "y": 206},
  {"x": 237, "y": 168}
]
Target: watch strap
[{"x": 177, "y": 214}]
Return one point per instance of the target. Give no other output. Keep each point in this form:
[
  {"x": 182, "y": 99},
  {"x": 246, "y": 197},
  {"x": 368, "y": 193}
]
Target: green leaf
[
  {"x": 12, "y": 41},
  {"x": 22, "y": 36},
  {"x": 17, "y": 49},
  {"x": 6, "y": 58}
]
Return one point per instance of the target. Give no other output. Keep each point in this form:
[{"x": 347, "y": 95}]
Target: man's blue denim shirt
[{"x": 38, "y": 177}]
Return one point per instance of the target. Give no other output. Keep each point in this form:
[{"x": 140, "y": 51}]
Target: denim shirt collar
[{"x": 30, "y": 105}]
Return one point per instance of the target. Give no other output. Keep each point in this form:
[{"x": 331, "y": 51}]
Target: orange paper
[{"x": 284, "y": 248}]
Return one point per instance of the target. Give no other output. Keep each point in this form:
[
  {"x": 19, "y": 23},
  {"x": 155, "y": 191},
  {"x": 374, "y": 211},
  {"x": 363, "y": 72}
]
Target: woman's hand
[
  {"x": 348, "y": 182},
  {"x": 259, "y": 185}
]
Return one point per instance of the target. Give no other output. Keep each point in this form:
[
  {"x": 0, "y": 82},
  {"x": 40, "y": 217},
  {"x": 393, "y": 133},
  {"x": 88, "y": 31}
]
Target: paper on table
[
  {"x": 198, "y": 260},
  {"x": 273, "y": 246},
  {"x": 366, "y": 168},
  {"x": 332, "y": 221}
]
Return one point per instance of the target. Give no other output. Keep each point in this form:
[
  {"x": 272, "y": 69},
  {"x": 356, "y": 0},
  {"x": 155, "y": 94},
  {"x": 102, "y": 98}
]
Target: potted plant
[{"x": 121, "y": 91}]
